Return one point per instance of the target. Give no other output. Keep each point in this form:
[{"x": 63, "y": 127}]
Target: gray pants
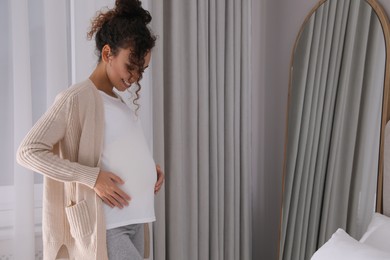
[{"x": 126, "y": 243}]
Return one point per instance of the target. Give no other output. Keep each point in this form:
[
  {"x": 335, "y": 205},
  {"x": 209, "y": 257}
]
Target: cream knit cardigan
[{"x": 65, "y": 146}]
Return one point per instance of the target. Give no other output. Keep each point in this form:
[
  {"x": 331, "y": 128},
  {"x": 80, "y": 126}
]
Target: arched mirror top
[{"x": 383, "y": 20}]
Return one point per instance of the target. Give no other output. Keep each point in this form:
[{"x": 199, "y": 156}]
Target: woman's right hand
[{"x": 106, "y": 187}]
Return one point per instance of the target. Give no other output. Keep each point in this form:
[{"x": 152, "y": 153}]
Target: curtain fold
[
  {"x": 39, "y": 71},
  {"x": 201, "y": 121},
  {"x": 333, "y": 127},
  {"x": 22, "y": 120}
]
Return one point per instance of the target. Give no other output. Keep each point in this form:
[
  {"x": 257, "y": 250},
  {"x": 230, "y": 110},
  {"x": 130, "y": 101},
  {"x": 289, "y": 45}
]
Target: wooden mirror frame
[{"x": 384, "y": 21}]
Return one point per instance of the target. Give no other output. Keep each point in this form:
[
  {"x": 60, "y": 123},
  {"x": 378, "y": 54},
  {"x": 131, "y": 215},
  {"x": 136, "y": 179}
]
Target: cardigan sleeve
[{"x": 36, "y": 150}]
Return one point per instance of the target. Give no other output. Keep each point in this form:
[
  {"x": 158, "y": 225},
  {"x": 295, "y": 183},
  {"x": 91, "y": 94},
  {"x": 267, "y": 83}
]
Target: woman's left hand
[{"x": 160, "y": 179}]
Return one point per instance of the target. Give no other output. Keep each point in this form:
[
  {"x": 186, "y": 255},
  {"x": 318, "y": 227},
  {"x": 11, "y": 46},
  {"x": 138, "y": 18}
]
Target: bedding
[
  {"x": 342, "y": 246},
  {"x": 378, "y": 233}
]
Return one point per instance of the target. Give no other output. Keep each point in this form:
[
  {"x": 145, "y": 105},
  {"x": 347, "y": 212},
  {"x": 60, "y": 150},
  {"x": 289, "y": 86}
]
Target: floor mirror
[{"x": 337, "y": 111}]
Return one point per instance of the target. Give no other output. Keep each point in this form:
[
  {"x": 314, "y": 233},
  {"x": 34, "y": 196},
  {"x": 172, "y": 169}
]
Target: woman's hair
[{"x": 125, "y": 26}]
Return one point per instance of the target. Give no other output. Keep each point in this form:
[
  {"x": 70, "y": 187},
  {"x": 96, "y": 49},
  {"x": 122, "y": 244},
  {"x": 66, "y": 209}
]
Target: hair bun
[{"x": 132, "y": 9}]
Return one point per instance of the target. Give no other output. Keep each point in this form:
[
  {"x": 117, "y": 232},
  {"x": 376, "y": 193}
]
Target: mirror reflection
[{"x": 334, "y": 126}]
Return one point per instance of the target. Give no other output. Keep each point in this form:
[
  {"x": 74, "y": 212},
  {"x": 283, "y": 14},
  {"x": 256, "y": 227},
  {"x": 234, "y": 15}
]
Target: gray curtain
[
  {"x": 201, "y": 103},
  {"x": 333, "y": 127}
]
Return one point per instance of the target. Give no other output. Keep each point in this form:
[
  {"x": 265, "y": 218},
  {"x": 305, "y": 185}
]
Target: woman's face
[{"x": 118, "y": 72}]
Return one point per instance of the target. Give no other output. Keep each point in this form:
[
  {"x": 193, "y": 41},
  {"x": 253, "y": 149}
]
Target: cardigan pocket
[{"x": 79, "y": 221}]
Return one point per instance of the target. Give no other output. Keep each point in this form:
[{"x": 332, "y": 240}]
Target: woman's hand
[
  {"x": 160, "y": 179},
  {"x": 107, "y": 189}
]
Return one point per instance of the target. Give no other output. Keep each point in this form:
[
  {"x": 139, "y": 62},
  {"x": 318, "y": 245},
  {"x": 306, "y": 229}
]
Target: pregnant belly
[{"x": 133, "y": 163}]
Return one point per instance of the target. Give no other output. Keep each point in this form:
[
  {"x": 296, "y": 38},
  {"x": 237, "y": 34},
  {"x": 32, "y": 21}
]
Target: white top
[{"x": 126, "y": 154}]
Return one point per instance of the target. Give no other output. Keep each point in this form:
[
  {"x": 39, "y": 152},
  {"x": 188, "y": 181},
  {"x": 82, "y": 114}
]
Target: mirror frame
[{"x": 385, "y": 23}]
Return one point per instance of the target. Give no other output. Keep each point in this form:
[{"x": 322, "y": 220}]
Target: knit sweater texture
[{"x": 65, "y": 146}]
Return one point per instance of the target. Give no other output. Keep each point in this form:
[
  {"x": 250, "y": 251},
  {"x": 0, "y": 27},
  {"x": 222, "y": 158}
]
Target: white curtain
[
  {"x": 36, "y": 58},
  {"x": 43, "y": 51}
]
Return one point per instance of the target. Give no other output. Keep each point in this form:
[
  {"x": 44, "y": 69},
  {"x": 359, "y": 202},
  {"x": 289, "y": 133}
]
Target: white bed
[{"x": 375, "y": 243}]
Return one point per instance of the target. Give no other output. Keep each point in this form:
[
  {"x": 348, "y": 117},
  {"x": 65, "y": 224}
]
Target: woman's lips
[{"x": 127, "y": 84}]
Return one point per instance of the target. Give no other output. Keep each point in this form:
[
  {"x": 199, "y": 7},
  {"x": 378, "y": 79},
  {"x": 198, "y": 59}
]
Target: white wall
[{"x": 275, "y": 24}]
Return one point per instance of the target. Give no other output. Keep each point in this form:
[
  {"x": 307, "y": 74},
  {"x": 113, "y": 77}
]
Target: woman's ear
[{"x": 106, "y": 53}]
